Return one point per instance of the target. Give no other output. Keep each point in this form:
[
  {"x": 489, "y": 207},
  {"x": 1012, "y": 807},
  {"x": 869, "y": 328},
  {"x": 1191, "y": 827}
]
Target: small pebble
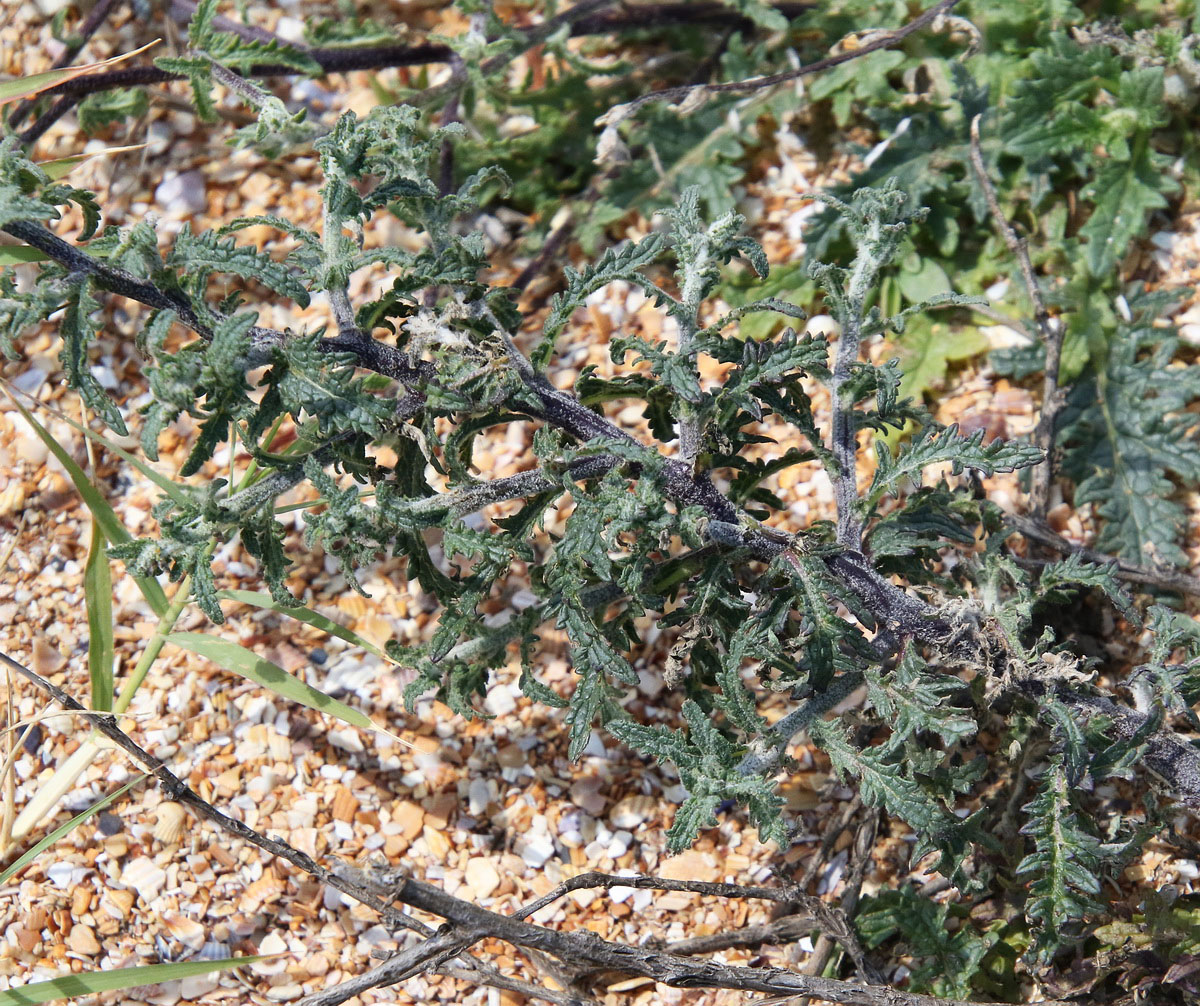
[
  {"x": 65, "y": 875},
  {"x": 347, "y": 740},
  {"x": 536, "y": 849},
  {"x": 109, "y": 824},
  {"x": 318, "y": 656},
  {"x": 500, "y": 701},
  {"x": 196, "y": 987},
  {"x": 33, "y": 740},
  {"x": 184, "y": 194},
  {"x": 479, "y": 795},
  {"x": 48, "y": 8},
  {"x": 483, "y": 877},
  {"x": 632, "y": 811},
  {"x": 83, "y": 941}
]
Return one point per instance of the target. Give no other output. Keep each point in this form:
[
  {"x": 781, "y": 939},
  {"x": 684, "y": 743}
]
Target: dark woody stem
[{"x": 382, "y": 57}]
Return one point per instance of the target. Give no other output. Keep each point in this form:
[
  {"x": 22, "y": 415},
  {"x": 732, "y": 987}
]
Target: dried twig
[
  {"x": 785, "y": 929},
  {"x": 585, "y": 948},
  {"x": 1049, "y": 329},
  {"x": 470, "y": 923},
  {"x": 864, "y": 842},
  {"x": 589, "y": 21},
  {"x": 832, "y": 833},
  {"x": 607, "y": 881},
  {"x": 1161, "y": 579},
  {"x": 345, "y": 879},
  {"x": 182, "y": 793},
  {"x": 881, "y": 40}
]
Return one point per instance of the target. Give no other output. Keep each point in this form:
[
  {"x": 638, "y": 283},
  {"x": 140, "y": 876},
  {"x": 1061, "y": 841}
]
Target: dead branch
[{"x": 1050, "y": 329}]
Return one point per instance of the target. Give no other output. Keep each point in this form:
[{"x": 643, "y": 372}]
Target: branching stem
[{"x": 1051, "y": 330}]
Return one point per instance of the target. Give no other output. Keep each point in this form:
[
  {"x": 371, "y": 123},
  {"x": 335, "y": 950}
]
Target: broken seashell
[{"x": 169, "y": 826}]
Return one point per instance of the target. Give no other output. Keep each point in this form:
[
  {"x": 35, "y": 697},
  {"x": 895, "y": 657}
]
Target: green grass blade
[
  {"x": 102, "y": 512},
  {"x": 172, "y": 488},
  {"x": 97, "y": 593},
  {"x": 248, "y": 664},
  {"x": 60, "y": 167},
  {"x": 20, "y": 254},
  {"x": 91, "y": 982},
  {"x": 35, "y": 83},
  {"x": 29, "y": 856},
  {"x": 306, "y": 615}
]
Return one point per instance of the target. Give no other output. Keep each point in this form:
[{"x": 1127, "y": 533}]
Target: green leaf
[
  {"x": 35, "y": 83},
  {"x": 927, "y": 348},
  {"x": 695, "y": 814},
  {"x": 592, "y": 695},
  {"x": 1129, "y": 438},
  {"x": 199, "y": 255},
  {"x": 1175, "y": 682},
  {"x": 886, "y": 779},
  {"x": 305, "y": 615},
  {"x": 947, "y": 961},
  {"x": 271, "y": 676},
  {"x": 1058, "y": 579},
  {"x": 622, "y": 263},
  {"x": 911, "y": 700},
  {"x": 66, "y": 828},
  {"x": 104, "y": 515},
  {"x": 708, "y": 766},
  {"x": 760, "y": 13},
  {"x": 922, "y": 279},
  {"x": 103, "y": 108},
  {"x": 1062, "y": 865},
  {"x": 93, "y": 982},
  {"x": 78, "y": 331},
  {"x": 20, "y": 254},
  {"x": 933, "y": 446},
  {"x": 97, "y": 593},
  {"x": 1124, "y": 192}
]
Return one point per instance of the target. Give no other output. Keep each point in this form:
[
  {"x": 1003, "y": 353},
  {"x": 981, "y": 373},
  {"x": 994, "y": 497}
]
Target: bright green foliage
[
  {"x": 1065, "y": 117},
  {"x": 1164, "y": 924},
  {"x": 759, "y": 12}
]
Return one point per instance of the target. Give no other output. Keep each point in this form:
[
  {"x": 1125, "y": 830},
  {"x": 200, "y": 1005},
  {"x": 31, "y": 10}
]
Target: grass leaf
[
  {"x": 35, "y": 83},
  {"x": 31, "y": 854},
  {"x": 97, "y": 593},
  {"x": 104, "y": 515},
  {"x": 91, "y": 982},
  {"x": 60, "y": 167},
  {"x": 306, "y": 615},
  {"x": 248, "y": 664},
  {"x": 20, "y": 254}
]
